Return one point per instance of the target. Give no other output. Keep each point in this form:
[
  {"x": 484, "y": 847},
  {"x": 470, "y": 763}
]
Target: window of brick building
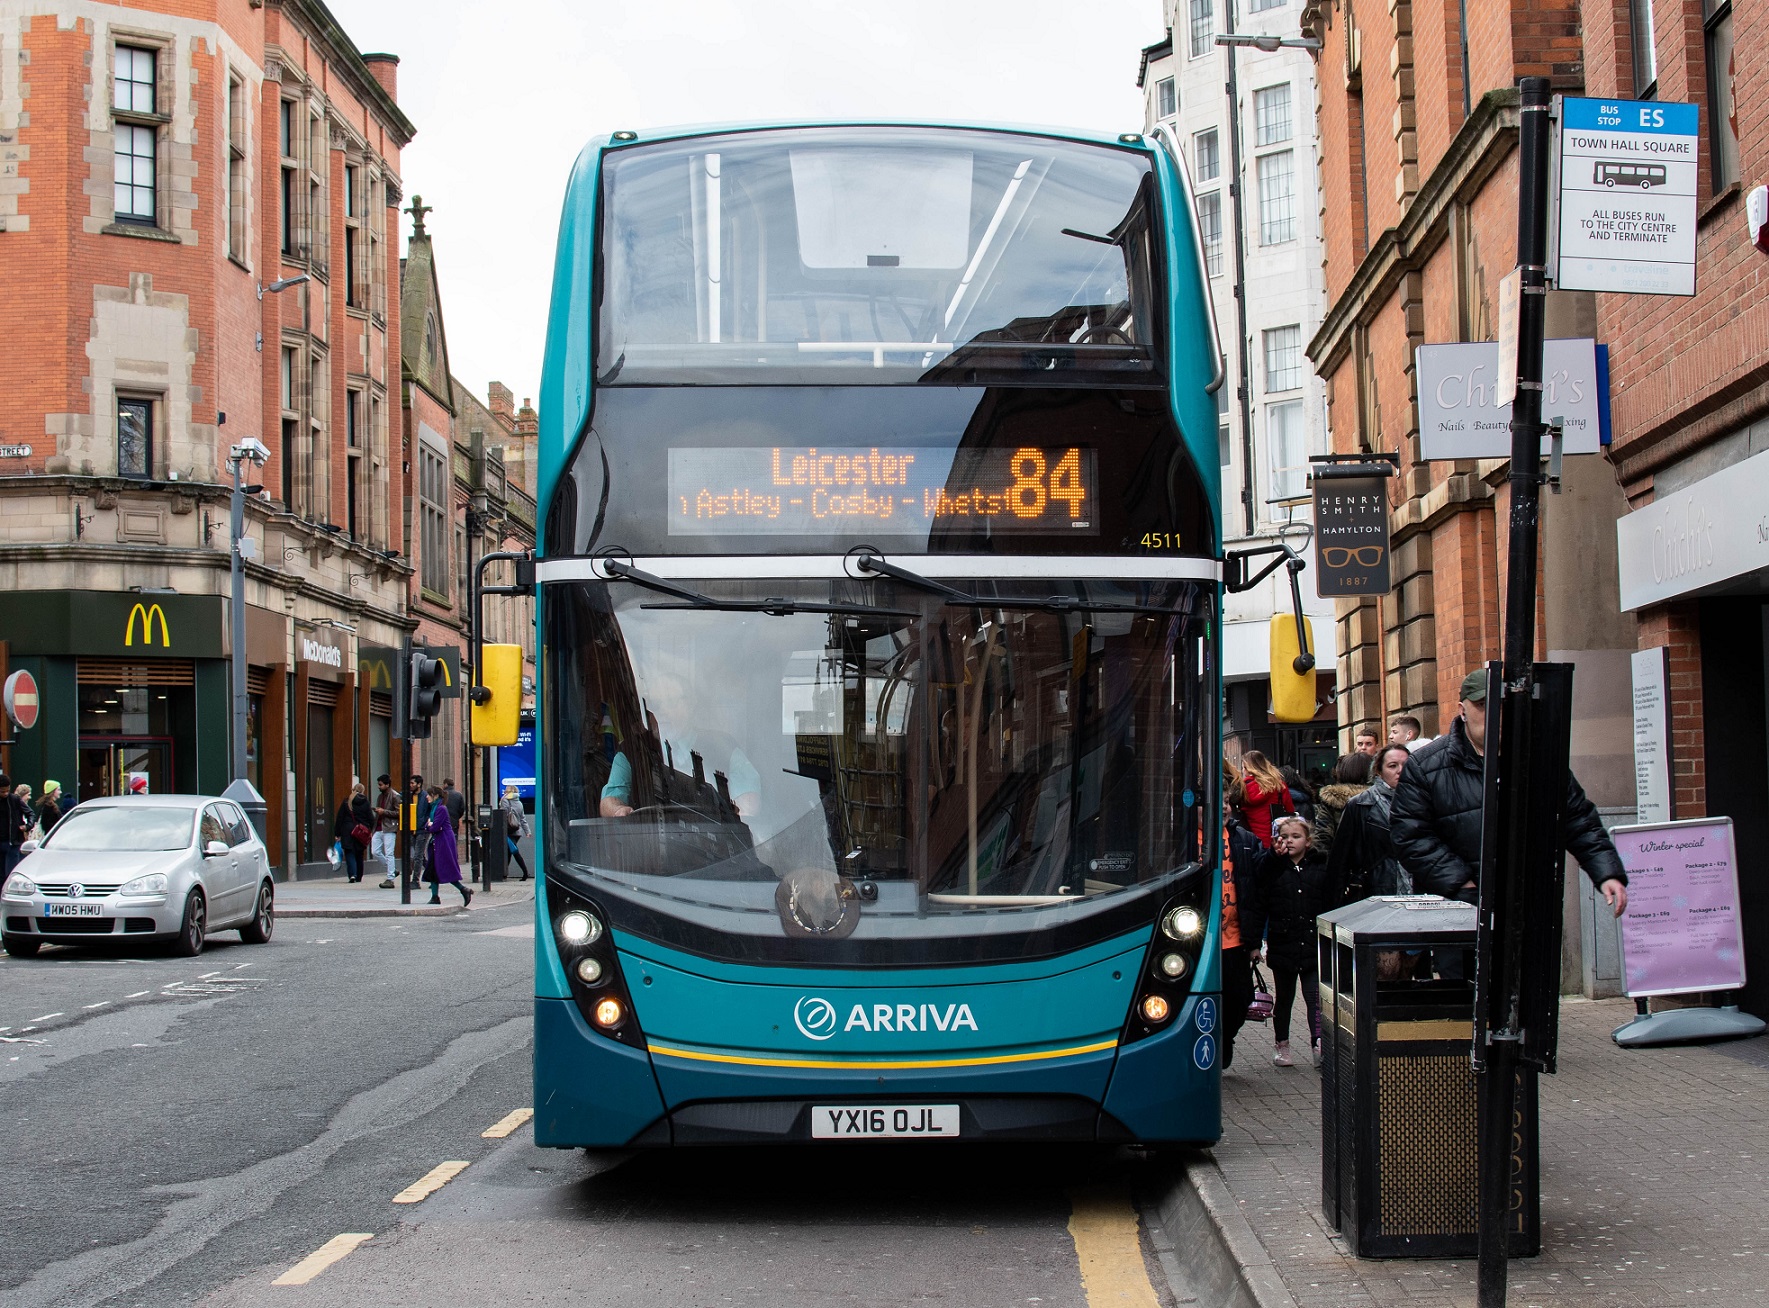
[
  {"x": 236, "y": 168},
  {"x": 1283, "y": 358},
  {"x": 353, "y": 289},
  {"x": 290, "y": 141},
  {"x": 1210, "y": 228},
  {"x": 1643, "y": 41},
  {"x": 135, "y": 129},
  {"x": 433, "y": 515},
  {"x": 135, "y": 436},
  {"x": 1271, "y": 115},
  {"x": 1166, "y": 98},
  {"x": 1286, "y": 439},
  {"x": 354, "y": 519},
  {"x": 1203, "y": 27},
  {"x": 1207, "y": 153},
  {"x": 1722, "y": 108},
  {"x": 1277, "y": 197}
]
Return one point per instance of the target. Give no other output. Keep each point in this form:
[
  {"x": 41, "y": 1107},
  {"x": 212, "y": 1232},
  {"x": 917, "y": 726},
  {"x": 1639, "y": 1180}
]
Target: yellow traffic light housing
[
  {"x": 497, "y": 714},
  {"x": 1292, "y": 691}
]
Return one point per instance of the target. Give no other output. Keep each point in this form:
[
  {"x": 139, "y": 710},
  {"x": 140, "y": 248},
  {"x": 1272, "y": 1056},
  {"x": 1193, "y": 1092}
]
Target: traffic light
[
  {"x": 1292, "y": 672},
  {"x": 426, "y": 695},
  {"x": 497, "y": 699}
]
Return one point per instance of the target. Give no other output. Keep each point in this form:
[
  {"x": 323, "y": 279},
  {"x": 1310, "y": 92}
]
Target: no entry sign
[{"x": 21, "y": 700}]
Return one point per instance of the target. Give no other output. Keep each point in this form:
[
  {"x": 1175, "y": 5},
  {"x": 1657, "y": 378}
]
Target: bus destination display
[{"x": 820, "y": 490}]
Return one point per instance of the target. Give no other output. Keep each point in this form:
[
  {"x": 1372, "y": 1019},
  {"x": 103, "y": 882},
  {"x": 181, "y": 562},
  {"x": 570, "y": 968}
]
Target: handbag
[
  {"x": 1259, "y": 1009},
  {"x": 361, "y": 835}
]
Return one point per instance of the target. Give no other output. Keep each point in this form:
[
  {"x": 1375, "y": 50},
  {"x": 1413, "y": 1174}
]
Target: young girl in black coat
[{"x": 1294, "y": 889}]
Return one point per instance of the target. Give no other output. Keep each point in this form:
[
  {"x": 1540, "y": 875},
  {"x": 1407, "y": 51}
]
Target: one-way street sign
[{"x": 1627, "y": 196}]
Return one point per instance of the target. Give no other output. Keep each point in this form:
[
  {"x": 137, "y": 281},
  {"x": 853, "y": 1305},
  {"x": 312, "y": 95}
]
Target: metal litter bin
[
  {"x": 1399, "y": 1142},
  {"x": 493, "y": 848}
]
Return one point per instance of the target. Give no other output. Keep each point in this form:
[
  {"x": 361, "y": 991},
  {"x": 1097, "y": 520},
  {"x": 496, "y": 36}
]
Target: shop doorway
[
  {"x": 109, "y": 766},
  {"x": 320, "y": 800}
]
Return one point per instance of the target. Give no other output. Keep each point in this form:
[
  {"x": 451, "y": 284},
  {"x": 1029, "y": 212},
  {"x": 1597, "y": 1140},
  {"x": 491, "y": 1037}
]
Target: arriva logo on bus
[{"x": 816, "y": 1017}]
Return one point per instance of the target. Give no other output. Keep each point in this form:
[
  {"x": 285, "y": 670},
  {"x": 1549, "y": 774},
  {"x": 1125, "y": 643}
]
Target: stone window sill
[{"x": 141, "y": 231}]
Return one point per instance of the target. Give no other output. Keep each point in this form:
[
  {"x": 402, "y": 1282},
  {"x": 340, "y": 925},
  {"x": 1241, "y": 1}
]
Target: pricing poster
[{"x": 1682, "y": 930}]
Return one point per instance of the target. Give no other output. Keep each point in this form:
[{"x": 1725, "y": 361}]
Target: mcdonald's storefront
[{"x": 134, "y": 690}]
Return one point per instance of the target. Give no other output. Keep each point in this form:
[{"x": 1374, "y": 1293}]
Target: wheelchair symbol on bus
[{"x": 1205, "y": 1016}]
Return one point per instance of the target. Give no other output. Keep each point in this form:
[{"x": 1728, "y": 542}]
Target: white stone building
[{"x": 1266, "y": 436}]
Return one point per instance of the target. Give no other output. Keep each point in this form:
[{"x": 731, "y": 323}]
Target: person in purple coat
[{"x": 445, "y": 861}]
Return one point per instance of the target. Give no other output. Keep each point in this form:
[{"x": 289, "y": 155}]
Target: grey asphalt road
[{"x": 186, "y": 1131}]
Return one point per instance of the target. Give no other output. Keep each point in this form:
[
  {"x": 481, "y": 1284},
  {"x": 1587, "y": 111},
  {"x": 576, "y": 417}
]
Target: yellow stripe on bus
[{"x": 871, "y": 1065}]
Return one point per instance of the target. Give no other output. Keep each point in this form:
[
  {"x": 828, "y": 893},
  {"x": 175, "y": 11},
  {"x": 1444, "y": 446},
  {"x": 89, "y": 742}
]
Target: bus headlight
[
  {"x": 579, "y": 928},
  {"x": 609, "y": 1012},
  {"x": 1154, "y": 1008},
  {"x": 1184, "y": 923},
  {"x": 589, "y": 971},
  {"x": 1174, "y": 966}
]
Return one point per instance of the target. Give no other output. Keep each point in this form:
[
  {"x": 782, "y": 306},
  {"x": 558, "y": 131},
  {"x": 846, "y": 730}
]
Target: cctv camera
[{"x": 251, "y": 448}]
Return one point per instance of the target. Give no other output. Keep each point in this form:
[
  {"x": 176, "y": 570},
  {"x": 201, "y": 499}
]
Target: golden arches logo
[
  {"x": 447, "y": 677},
  {"x": 380, "y": 676},
  {"x": 148, "y": 614}
]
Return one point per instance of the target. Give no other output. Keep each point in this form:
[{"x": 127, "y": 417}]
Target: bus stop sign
[
  {"x": 21, "y": 700},
  {"x": 1627, "y": 196}
]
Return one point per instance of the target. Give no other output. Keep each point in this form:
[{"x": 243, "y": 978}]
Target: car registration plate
[
  {"x": 884, "y": 1121},
  {"x": 73, "y": 910}
]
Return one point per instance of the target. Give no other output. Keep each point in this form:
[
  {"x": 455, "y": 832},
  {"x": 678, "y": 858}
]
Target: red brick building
[
  {"x": 161, "y": 165},
  {"x": 1691, "y": 415}
]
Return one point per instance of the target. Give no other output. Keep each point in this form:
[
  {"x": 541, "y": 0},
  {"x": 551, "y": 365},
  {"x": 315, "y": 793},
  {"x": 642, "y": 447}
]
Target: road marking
[
  {"x": 100, "y": 1004},
  {"x": 1104, "y": 1228},
  {"x": 430, "y": 1182},
  {"x": 138, "y": 994},
  {"x": 44, "y": 1018},
  {"x": 507, "y": 1124},
  {"x": 323, "y": 1257}
]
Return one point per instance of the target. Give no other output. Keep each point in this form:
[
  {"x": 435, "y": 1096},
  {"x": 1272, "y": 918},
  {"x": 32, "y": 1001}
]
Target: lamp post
[{"x": 251, "y": 450}]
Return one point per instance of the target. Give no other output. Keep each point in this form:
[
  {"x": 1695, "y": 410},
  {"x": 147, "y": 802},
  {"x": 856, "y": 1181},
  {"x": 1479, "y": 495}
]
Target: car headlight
[
  {"x": 152, "y": 884},
  {"x": 21, "y": 885}
]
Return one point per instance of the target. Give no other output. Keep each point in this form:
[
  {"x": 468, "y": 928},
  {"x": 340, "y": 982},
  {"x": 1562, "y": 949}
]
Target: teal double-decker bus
[{"x": 878, "y": 583}]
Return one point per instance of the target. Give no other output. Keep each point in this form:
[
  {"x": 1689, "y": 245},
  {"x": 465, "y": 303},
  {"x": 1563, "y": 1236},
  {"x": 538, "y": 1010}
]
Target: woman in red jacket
[{"x": 1263, "y": 794}]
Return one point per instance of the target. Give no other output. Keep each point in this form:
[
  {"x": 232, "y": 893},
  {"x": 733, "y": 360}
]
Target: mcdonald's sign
[
  {"x": 378, "y": 668},
  {"x": 147, "y": 615},
  {"x": 450, "y": 658}
]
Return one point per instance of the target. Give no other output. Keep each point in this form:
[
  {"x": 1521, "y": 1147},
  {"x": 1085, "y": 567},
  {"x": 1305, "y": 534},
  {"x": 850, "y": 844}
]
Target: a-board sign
[
  {"x": 1628, "y": 177},
  {"x": 1460, "y": 416},
  {"x": 1682, "y": 930},
  {"x": 1351, "y": 536}
]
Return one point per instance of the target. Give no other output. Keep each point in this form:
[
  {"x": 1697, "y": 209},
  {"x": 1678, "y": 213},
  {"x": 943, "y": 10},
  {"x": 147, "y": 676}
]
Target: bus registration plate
[{"x": 884, "y": 1121}]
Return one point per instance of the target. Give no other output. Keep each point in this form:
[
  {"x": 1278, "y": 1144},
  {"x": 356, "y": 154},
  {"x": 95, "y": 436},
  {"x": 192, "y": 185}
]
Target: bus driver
[{"x": 682, "y": 735}]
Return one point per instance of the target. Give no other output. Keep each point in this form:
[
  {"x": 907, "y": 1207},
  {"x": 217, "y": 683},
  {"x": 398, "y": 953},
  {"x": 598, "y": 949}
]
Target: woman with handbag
[
  {"x": 354, "y": 830},
  {"x": 1243, "y": 925},
  {"x": 515, "y": 827}
]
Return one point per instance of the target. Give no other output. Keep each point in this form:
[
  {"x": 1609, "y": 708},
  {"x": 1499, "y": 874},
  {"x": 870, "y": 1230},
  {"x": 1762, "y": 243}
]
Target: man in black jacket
[{"x": 1435, "y": 818}]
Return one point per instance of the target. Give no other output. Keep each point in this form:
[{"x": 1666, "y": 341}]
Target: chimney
[
  {"x": 385, "y": 68},
  {"x": 501, "y": 403},
  {"x": 528, "y": 423}
]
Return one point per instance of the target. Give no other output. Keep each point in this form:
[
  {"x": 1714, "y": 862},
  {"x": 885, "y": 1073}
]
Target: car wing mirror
[
  {"x": 215, "y": 847},
  {"x": 28, "y": 847}
]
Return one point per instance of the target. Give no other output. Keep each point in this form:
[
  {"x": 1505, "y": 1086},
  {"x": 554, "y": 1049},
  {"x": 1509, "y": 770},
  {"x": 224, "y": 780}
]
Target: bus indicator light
[
  {"x": 1155, "y": 1009},
  {"x": 609, "y": 1013}
]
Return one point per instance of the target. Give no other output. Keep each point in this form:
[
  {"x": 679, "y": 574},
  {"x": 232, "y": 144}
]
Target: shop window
[{"x": 135, "y": 436}]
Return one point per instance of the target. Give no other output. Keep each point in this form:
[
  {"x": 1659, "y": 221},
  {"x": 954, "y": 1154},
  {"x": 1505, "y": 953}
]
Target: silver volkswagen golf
[{"x": 163, "y": 867}]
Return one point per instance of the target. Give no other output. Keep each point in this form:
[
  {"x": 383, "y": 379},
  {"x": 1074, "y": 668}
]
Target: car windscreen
[
  {"x": 877, "y": 256},
  {"x": 121, "y": 830}
]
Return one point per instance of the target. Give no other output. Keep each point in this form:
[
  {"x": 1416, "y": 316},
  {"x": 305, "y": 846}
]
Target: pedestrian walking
[
  {"x": 13, "y": 825},
  {"x": 418, "y": 815},
  {"x": 456, "y": 802},
  {"x": 1362, "y": 860},
  {"x": 354, "y": 830},
  {"x": 21, "y": 792},
  {"x": 1350, "y": 777},
  {"x": 49, "y": 808},
  {"x": 1243, "y": 926},
  {"x": 515, "y": 827},
  {"x": 386, "y": 842},
  {"x": 445, "y": 861},
  {"x": 1263, "y": 794},
  {"x": 1294, "y": 889},
  {"x": 1436, "y": 815}
]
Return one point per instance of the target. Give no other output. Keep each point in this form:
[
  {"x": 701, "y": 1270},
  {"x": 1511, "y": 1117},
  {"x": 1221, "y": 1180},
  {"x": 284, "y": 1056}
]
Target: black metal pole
[
  {"x": 1502, "y": 1019},
  {"x": 1237, "y": 184}
]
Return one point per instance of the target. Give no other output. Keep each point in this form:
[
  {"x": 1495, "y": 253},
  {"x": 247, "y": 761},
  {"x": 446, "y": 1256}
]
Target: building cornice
[
  {"x": 350, "y": 65},
  {"x": 1478, "y": 149}
]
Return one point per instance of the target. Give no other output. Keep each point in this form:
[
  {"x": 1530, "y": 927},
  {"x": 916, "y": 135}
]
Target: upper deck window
[{"x": 878, "y": 256}]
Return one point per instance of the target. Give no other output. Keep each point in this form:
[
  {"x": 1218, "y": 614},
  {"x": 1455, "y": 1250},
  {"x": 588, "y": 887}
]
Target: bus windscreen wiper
[
  {"x": 693, "y": 599},
  {"x": 869, "y": 562}
]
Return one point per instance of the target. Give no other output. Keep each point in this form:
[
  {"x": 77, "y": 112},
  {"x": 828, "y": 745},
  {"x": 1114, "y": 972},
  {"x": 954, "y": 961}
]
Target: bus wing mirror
[
  {"x": 497, "y": 713},
  {"x": 1292, "y": 669}
]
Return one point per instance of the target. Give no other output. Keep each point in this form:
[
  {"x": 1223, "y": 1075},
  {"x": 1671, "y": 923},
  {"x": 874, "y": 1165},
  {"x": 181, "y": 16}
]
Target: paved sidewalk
[
  {"x": 1653, "y": 1178},
  {"x": 339, "y": 897}
]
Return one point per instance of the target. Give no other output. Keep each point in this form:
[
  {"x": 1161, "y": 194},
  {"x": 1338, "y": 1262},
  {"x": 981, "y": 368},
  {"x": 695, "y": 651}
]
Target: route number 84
[{"x": 1035, "y": 483}]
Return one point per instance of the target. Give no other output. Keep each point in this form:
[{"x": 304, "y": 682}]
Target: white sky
[{"x": 505, "y": 94}]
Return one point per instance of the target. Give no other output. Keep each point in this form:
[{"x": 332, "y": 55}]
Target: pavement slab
[
  {"x": 1653, "y": 1187},
  {"x": 339, "y": 897}
]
